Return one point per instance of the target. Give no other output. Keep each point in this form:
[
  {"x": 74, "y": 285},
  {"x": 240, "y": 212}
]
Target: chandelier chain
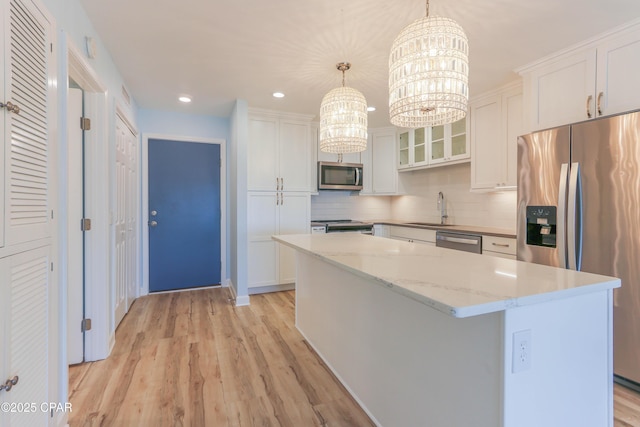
[{"x": 427, "y": 7}]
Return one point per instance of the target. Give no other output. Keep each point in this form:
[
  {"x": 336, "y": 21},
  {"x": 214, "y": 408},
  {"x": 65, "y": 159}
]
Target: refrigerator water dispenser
[{"x": 541, "y": 226}]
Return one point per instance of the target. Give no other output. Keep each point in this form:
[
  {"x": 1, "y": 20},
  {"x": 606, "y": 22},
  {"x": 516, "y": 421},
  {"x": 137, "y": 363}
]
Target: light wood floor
[{"x": 191, "y": 358}]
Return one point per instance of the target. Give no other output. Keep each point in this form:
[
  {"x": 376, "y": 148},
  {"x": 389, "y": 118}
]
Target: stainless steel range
[{"x": 341, "y": 226}]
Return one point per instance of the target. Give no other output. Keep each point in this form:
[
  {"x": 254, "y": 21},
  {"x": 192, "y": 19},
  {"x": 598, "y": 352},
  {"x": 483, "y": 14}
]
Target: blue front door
[{"x": 184, "y": 215}]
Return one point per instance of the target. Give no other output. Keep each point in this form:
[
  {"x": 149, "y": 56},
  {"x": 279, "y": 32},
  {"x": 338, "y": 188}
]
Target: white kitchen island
[{"x": 424, "y": 336}]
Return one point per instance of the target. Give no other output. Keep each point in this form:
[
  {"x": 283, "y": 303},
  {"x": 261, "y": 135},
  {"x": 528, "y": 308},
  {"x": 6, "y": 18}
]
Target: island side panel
[
  {"x": 404, "y": 362},
  {"x": 570, "y": 380}
]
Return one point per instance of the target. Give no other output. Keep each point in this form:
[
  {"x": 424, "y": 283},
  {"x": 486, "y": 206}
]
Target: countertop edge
[{"x": 468, "y": 311}]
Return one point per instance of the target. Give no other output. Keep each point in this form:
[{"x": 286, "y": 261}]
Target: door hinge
[
  {"x": 51, "y": 213},
  {"x": 85, "y": 224},
  {"x": 51, "y": 47},
  {"x": 85, "y": 325},
  {"x": 85, "y": 123},
  {"x": 51, "y": 266}
]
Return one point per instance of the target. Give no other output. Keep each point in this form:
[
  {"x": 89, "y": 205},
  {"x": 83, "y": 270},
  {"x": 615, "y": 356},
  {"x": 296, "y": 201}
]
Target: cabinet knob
[
  {"x": 8, "y": 385},
  {"x": 11, "y": 107}
]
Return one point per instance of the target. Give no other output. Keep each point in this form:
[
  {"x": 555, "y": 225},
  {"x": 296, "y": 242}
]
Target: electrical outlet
[{"x": 521, "y": 351}]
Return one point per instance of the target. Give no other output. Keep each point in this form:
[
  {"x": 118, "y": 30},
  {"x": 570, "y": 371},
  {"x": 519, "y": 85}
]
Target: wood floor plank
[{"x": 193, "y": 359}]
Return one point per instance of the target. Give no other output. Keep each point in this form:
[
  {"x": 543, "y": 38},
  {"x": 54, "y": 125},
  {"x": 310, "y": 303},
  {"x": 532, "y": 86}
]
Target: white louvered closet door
[
  {"x": 27, "y": 355},
  {"x": 25, "y": 280},
  {"x": 27, "y": 213}
]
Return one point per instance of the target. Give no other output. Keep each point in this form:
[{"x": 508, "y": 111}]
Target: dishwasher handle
[{"x": 459, "y": 240}]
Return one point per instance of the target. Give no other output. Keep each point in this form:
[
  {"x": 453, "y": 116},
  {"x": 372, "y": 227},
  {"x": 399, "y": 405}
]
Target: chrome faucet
[{"x": 442, "y": 207}]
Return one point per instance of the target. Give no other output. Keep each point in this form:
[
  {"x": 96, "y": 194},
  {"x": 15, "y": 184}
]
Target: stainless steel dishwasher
[{"x": 459, "y": 241}]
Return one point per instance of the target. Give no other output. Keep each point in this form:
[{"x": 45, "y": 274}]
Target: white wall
[
  {"x": 191, "y": 126},
  {"x": 463, "y": 207},
  {"x": 238, "y": 201},
  {"x": 348, "y": 205}
]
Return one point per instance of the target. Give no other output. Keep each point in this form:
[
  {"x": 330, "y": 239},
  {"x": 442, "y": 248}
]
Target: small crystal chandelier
[
  {"x": 429, "y": 73},
  {"x": 343, "y": 119}
]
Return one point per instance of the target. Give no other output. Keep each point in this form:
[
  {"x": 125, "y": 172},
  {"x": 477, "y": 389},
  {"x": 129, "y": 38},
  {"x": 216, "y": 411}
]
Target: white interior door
[
  {"x": 131, "y": 210},
  {"x": 126, "y": 218},
  {"x": 75, "y": 251},
  {"x": 120, "y": 308}
]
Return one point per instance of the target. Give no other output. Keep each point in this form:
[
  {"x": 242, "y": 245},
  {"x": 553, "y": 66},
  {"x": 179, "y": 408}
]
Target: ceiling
[{"x": 220, "y": 50}]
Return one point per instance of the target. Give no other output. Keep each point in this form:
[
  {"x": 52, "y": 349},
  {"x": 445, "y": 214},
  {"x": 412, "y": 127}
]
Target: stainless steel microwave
[{"x": 339, "y": 176}]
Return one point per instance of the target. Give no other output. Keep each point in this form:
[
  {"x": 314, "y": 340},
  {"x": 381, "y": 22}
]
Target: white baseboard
[
  {"x": 240, "y": 300},
  {"x": 272, "y": 288}
]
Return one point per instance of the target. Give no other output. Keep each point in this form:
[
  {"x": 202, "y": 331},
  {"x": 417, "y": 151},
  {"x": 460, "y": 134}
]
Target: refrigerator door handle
[
  {"x": 574, "y": 218},
  {"x": 560, "y": 221}
]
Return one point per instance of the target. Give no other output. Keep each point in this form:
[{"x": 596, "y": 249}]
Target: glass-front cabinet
[{"x": 425, "y": 147}]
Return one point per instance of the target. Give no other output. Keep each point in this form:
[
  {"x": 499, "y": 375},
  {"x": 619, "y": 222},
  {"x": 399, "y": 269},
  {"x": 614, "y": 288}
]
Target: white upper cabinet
[
  {"x": 594, "y": 80},
  {"x": 433, "y": 146},
  {"x": 562, "y": 92},
  {"x": 263, "y": 151},
  {"x": 496, "y": 123},
  {"x": 618, "y": 85},
  {"x": 379, "y": 166},
  {"x": 279, "y": 153}
]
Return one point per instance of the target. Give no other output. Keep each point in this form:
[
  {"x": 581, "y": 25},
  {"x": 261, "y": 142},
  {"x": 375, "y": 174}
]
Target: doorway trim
[
  {"x": 145, "y": 201},
  {"x": 99, "y": 340}
]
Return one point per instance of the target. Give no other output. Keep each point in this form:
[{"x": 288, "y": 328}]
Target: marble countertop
[
  {"x": 457, "y": 283},
  {"x": 487, "y": 231}
]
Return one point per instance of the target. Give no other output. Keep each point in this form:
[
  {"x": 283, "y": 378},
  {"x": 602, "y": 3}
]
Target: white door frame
[
  {"x": 145, "y": 201},
  {"x": 99, "y": 340}
]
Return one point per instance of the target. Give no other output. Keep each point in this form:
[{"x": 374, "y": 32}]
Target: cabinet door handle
[
  {"x": 589, "y": 106},
  {"x": 277, "y": 199},
  {"x": 600, "y": 103},
  {"x": 281, "y": 199},
  {"x": 281, "y": 184}
]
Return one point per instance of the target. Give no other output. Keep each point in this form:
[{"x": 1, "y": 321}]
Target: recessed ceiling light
[
  {"x": 278, "y": 95},
  {"x": 372, "y": 108},
  {"x": 184, "y": 98}
]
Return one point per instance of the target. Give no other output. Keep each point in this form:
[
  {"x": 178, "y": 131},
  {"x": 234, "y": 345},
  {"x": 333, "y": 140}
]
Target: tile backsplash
[
  {"x": 463, "y": 207},
  {"x": 420, "y": 201},
  {"x": 348, "y": 205}
]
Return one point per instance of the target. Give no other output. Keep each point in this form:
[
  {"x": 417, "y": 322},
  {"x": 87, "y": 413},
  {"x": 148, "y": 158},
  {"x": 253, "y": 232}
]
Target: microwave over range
[{"x": 339, "y": 176}]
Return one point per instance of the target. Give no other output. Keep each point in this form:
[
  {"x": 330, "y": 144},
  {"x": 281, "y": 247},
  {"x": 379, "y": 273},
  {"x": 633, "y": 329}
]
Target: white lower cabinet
[
  {"x": 380, "y": 230},
  {"x": 271, "y": 213},
  {"x": 414, "y": 235},
  {"x": 24, "y": 343},
  {"x": 501, "y": 247}
]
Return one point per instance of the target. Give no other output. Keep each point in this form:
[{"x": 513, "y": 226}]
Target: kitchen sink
[{"x": 429, "y": 224}]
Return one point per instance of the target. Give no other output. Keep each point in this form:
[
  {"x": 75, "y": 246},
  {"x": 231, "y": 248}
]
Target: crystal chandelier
[
  {"x": 343, "y": 119},
  {"x": 429, "y": 73}
]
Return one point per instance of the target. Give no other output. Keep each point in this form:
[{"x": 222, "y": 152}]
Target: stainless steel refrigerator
[{"x": 579, "y": 208}]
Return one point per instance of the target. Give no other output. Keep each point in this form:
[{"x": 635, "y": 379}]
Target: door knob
[{"x": 153, "y": 223}]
